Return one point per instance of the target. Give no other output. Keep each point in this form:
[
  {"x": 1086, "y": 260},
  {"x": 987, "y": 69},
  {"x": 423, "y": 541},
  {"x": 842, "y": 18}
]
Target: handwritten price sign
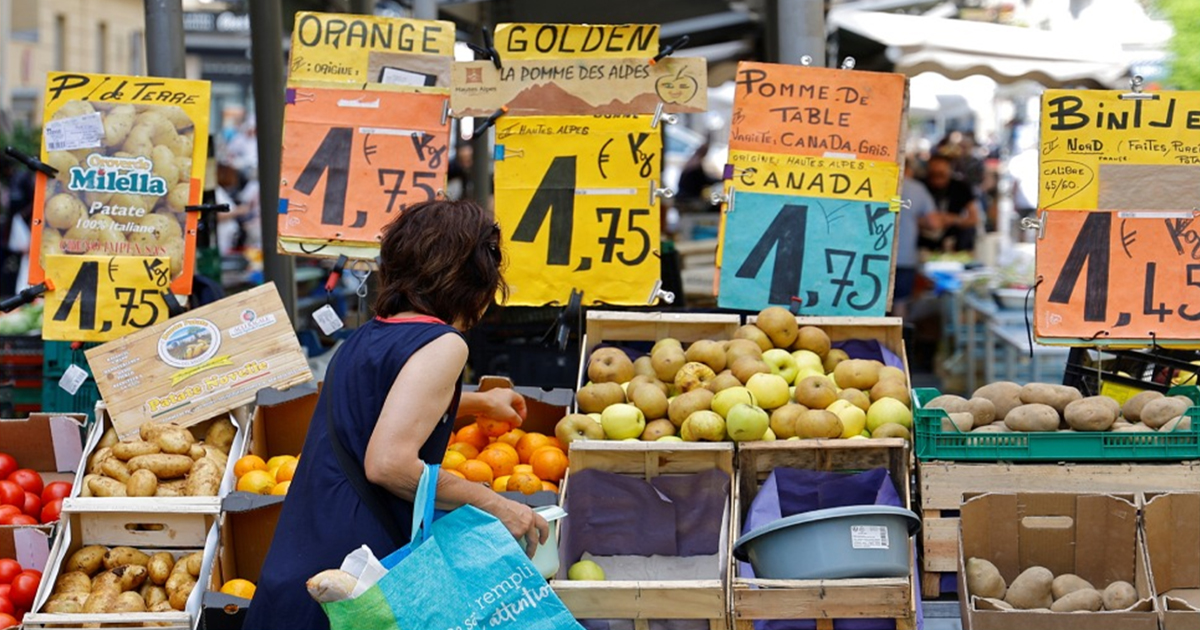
[
  {"x": 399, "y": 53},
  {"x": 101, "y": 298},
  {"x": 349, "y": 167},
  {"x": 1110, "y": 276},
  {"x": 575, "y": 204}
]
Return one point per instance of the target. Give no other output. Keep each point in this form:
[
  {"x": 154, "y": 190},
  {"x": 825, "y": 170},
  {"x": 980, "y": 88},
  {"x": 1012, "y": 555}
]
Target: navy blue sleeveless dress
[{"x": 323, "y": 518}]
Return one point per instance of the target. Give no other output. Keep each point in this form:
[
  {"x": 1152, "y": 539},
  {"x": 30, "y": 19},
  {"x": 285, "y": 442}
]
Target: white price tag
[
  {"x": 328, "y": 320},
  {"x": 869, "y": 537},
  {"x": 72, "y": 379},
  {"x": 79, "y": 132}
]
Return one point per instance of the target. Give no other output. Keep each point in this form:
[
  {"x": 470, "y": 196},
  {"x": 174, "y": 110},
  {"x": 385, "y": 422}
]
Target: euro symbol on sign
[
  {"x": 368, "y": 148},
  {"x": 603, "y": 158}
]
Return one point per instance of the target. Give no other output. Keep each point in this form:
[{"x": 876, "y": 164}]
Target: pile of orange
[
  {"x": 505, "y": 458},
  {"x": 272, "y": 476}
]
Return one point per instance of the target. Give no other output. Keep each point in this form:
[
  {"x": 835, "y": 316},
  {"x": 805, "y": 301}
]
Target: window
[
  {"x": 102, "y": 47},
  {"x": 60, "y": 42},
  {"x": 137, "y": 63}
]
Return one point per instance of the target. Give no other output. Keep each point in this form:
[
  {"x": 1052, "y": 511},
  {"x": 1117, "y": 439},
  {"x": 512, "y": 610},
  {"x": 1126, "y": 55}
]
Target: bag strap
[{"x": 424, "y": 503}]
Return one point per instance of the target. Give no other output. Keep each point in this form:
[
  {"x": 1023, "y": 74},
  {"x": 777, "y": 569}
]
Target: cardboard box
[
  {"x": 1094, "y": 536},
  {"x": 281, "y": 420},
  {"x": 1171, "y": 527},
  {"x": 247, "y": 528},
  {"x": 545, "y": 406}
]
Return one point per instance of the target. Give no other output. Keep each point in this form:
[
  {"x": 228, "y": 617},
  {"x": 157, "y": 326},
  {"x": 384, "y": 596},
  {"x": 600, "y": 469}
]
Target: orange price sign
[
  {"x": 353, "y": 159},
  {"x": 1113, "y": 276}
]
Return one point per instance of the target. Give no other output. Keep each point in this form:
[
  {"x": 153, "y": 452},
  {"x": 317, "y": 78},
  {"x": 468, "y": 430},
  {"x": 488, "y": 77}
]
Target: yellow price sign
[
  {"x": 811, "y": 176},
  {"x": 400, "y": 53},
  {"x": 576, "y": 205},
  {"x": 556, "y": 41},
  {"x": 101, "y": 298}
]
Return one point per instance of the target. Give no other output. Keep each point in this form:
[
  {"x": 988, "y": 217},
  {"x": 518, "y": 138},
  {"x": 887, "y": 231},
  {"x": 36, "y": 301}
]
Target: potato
[
  {"x": 114, "y": 468},
  {"x": 63, "y": 211},
  {"x": 125, "y": 556},
  {"x": 1182, "y": 423},
  {"x": 73, "y": 582},
  {"x": 149, "y": 430},
  {"x": 949, "y": 402},
  {"x": 106, "y": 581},
  {"x": 67, "y": 603},
  {"x": 126, "y": 451},
  {"x": 1119, "y": 596},
  {"x": 177, "y": 579},
  {"x": 106, "y": 588},
  {"x": 981, "y": 409},
  {"x": 138, "y": 141},
  {"x": 72, "y": 109},
  {"x": 105, "y": 487},
  {"x": 153, "y": 594},
  {"x": 175, "y": 441},
  {"x": 204, "y": 480},
  {"x": 97, "y": 458},
  {"x": 88, "y": 560},
  {"x": 193, "y": 562},
  {"x": 117, "y": 126},
  {"x": 132, "y": 576},
  {"x": 1091, "y": 414},
  {"x": 1035, "y": 417},
  {"x": 1057, "y": 396},
  {"x": 1068, "y": 583},
  {"x": 170, "y": 488},
  {"x": 220, "y": 435},
  {"x": 995, "y": 427},
  {"x": 1132, "y": 409},
  {"x": 196, "y": 451},
  {"x": 179, "y": 597},
  {"x": 1005, "y": 397},
  {"x": 1158, "y": 413},
  {"x": 217, "y": 456},
  {"x": 999, "y": 604},
  {"x": 1088, "y": 599},
  {"x": 85, "y": 490},
  {"x": 1031, "y": 589},
  {"x": 141, "y": 483},
  {"x": 960, "y": 421},
  {"x": 109, "y": 439},
  {"x": 984, "y": 579},
  {"x": 163, "y": 465},
  {"x": 129, "y": 602}
]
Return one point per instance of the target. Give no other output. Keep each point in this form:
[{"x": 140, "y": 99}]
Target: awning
[{"x": 911, "y": 44}]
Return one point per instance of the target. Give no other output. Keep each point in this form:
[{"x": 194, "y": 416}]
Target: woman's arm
[
  {"x": 497, "y": 404},
  {"x": 414, "y": 405}
]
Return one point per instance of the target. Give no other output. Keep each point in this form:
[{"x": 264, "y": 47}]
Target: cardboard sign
[
  {"x": 390, "y": 53},
  {"x": 580, "y": 87},
  {"x": 557, "y": 41},
  {"x": 101, "y": 298},
  {"x": 1104, "y": 152},
  {"x": 1111, "y": 276},
  {"x": 823, "y": 112},
  {"x": 574, "y": 198},
  {"x": 130, "y": 154},
  {"x": 832, "y": 256},
  {"x": 862, "y": 180},
  {"x": 353, "y": 160},
  {"x": 201, "y": 364}
]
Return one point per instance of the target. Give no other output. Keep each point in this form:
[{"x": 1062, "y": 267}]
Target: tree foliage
[{"x": 1184, "y": 16}]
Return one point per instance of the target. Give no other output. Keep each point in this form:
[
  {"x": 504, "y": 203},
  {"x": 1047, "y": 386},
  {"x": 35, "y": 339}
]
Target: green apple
[
  {"x": 808, "y": 360},
  {"x": 747, "y": 423},
  {"x": 769, "y": 436},
  {"x": 585, "y": 570},
  {"x": 669, "y": 438},
  {"x": 727, "y": 398},
  {"x": 622, "y": 421},
  {"x": 703, "y": 425},
  {"x": 782, "y": 364},
  {"x": 887, "y": 410},
  {"x": 792, "y": 438},
  {"x": 854, "y": 420},
  {"x": 578, "y": 427},
  {"x": 769, "y": 390},
  {"x": 857, "y": 437}
]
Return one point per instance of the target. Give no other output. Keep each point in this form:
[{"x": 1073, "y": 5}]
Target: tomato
[
  {"x": 28, "y": 479},
  {"x": 7, "y": 621},
  {"x": 9, "y": 569},
  {"x": 33, "y": 505},
  {"x": 11, "y": 494},
  {"x": 6, "y": 607},
  {"x": 8, "y": 511},
  {"x": 51, "y": 510},
  {"x": 24, "y": 587},
  {"x": 22, "y": 519},
  {"x": 5, "y": 589},
  {"x": 56, "y": 490},
  {"x": 8, "y": 464}
]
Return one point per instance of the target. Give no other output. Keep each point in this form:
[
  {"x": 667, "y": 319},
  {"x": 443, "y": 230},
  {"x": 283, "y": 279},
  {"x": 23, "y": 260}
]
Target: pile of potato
[
  {"x": 1038, "y": 589},
  {"x": 168, "y": 461},
  {"x": 1038, "y": 407},
  {"x": 97, "y": 579}
]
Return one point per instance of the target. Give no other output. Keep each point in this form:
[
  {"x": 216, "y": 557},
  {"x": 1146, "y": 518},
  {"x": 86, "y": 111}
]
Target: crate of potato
[
  {"x": 125, "y": 569},
  {"x": 1044, "y": 422},
  {"x": 166, "y": 468}
]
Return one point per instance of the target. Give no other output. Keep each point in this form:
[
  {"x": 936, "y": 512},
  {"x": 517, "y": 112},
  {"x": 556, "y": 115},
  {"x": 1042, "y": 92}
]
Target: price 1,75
[{"x": 100, "y": 298}]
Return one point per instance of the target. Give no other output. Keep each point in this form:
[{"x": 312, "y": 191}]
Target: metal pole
[
  {"x": 5, "y": 35},
  {"x": 164, "y": 38},
  {"x": 425, "y": 9},
  {"x": 481, "y": 157},
  {"x": 266, "y": 51},
  {"x": 801, "y": 30},
  {"x": 363, "y": 7}
]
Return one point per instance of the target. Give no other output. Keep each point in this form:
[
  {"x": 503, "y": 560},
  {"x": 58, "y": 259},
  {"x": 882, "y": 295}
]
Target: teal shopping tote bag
[{"x": 461, "y": 571}]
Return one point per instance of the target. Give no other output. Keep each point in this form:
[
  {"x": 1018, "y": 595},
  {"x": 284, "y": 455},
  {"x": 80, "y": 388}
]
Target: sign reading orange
[
  {"x": 824, "y": 112},
  {"x": 349, "y": 167},
  {"x": 1110, "y": 276}
]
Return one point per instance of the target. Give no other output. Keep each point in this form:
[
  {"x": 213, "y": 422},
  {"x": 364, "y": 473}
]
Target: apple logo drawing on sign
[{"x": 677, "y": 89}]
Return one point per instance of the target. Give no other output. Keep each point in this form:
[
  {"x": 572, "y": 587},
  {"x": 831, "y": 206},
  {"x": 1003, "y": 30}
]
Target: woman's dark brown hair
[{"x": 441, "y": 258}]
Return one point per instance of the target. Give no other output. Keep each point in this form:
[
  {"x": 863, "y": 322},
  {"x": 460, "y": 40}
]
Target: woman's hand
[
  {"x": 523, "y": 523},
  {"x": 503, "y": 404}
]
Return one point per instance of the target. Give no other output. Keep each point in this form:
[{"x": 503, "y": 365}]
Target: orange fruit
[
  {"x": 493, "y": 428},
  {"x": 239, "y": 588},
  {"x": 248, "y": 463},
  {"x": 511, "y": 437},
  {"x": 500, "y": 460},
  {"x": 476, "y": 470},
  {"x": 546, "y": 485},
  {"x": 523, "y": 468},
  {"x": 286, "y": 471},
  {"x": 473, "y": 435},
  {"x": 281, "y": 489},
  {"x": 457, "y": 474},
  {"x": 549, "y": 463},
  {"x": 501, "y": 446},
  {"x": 468, "y": 450},
  {"x": 452, "y": 459},
  {"x": 256, "y": 481},
  {"x": 557, "y": 443},
  {"x": 530, "y": 443},
  {"x": 278, "y": 460},
  {"x": 452, "y": 438},
  {"x": 525, "y": 483},
  {"x": 500, "y": 484}
]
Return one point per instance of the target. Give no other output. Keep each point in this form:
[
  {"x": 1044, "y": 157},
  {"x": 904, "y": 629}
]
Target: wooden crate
[
  {"x": 823, "y": 600},
  {"x": 167, "y": 531},
  {"x": 644, "y": 600},
  {"x": 621, "y": 328},
  {"x": 888, "y": 331},
  {"x": 942, "y": 486}
]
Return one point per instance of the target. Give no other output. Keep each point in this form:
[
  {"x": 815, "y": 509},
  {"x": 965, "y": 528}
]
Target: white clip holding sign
[
  {"x": 1135, "y": 92},
  {"x": 1039, "y": 224},
  {"x": 659, "y": 116},
  {"x": 658, "y": 292}
]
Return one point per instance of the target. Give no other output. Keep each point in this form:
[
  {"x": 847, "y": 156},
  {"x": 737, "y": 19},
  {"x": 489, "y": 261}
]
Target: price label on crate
[
  {"x": 1109, "y": 276},
  {"x": 101, "y": 298},
  {"x": 353, "y": 160},
  {"x": 575, "y": 202}
]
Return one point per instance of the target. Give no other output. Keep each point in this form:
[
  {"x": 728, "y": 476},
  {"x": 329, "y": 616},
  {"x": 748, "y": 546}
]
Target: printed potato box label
[{"x": 130, "y": 155}]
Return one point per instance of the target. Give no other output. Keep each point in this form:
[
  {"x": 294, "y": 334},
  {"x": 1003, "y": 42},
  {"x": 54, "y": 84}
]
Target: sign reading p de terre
[{"x": 200, "y": 364}]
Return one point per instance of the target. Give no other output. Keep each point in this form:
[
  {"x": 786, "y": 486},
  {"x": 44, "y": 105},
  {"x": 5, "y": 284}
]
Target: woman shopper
[{"x": 389, "y": 398}]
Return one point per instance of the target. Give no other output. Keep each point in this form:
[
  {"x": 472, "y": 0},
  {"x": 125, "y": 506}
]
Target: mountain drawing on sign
[{"x": 547, "y": 98}]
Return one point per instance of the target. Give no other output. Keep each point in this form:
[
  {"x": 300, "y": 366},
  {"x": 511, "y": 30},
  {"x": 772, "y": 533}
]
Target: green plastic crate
[
  {"x": 58, "y": 356},
  {"x": 57, "y": 399},
  {"x": 934, "y": 443}
]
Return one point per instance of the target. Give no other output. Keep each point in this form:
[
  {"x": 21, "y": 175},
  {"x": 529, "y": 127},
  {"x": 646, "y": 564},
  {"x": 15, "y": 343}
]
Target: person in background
[
  {"x": 693, "y": 182},
  {"x": 458, "y": 172},
  {"x": 956, "y": 207},
  {"x": 917, "y": 214}
]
